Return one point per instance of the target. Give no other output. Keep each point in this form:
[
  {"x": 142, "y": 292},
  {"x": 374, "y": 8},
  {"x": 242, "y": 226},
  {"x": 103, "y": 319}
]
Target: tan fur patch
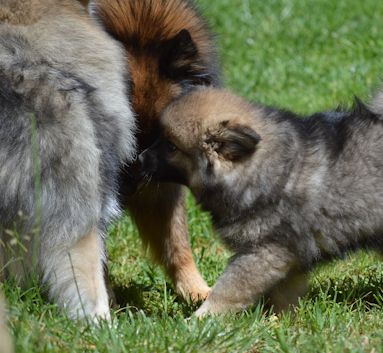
[{"x": 87, "y": 267}]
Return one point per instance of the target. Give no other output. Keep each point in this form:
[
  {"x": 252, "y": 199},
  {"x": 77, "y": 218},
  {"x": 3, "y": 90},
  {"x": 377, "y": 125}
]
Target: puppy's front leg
[
  {"x": 246, "y": 278},
  {"x": 75, "y": 277}
]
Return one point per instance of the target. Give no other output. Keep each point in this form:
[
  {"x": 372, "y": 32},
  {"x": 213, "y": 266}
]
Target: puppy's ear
[
  {"x": 234, "y": 142},
  {"x": 180, "y": 60}
]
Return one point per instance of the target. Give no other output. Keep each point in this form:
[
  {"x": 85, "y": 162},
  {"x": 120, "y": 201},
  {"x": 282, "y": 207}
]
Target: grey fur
[
  {"x": 309, "y": 189},
  {"x": 65, "y": 128}
]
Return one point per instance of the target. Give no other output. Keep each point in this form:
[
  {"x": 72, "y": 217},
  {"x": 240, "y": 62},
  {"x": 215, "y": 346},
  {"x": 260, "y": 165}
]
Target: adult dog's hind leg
[
  {"x": 160, "y": 215},
  {"x": 75, "y": 277}
]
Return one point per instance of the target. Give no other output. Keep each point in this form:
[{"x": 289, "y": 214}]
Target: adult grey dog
[
  {"x": 285, "y": 192},
  {"x": 65, "y": 128}
]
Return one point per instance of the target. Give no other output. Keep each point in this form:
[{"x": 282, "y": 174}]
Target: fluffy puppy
[
  {"x": 65, "y": 128},
  {"x": 170, "y": 51},
  {"x": 284, "y": 192}
]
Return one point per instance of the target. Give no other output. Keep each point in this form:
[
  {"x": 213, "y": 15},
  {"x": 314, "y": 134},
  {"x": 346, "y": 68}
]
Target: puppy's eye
[{"x": 171, "y": 147}]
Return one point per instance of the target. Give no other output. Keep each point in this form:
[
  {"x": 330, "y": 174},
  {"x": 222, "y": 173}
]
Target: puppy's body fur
[
  {"x": 170, "y": 51},
  {"x": 284, "y": 192},
  {"x": 65, "y": 127}
]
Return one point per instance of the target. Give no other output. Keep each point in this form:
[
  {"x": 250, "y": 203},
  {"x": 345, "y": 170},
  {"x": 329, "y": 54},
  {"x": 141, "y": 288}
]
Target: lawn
[{"x": 304, "y": 55}]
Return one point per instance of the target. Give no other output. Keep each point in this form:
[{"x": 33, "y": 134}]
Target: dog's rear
[
  {"x": 65, "y": 127},
  {"x": 170, "y": 51}
]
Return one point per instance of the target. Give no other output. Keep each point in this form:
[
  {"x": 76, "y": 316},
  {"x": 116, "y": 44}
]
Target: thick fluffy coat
[
  {"x": 170, "y": 51},
  {"x": 284, "y": 192},
  {"x": 65, "y": 128}
]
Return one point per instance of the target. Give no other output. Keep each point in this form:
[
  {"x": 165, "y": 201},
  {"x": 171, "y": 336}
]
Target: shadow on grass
[
  {"x": 150, "y": 299},
  {"x": 129, "y": 296},
  {"x": 367, "y": 289}
]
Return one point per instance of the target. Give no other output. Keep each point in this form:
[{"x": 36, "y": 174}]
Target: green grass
[{"x": 298, "y": 54}]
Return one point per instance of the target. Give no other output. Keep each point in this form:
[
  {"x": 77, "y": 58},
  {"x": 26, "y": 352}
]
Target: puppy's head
[{"x": 208, "y": 139}]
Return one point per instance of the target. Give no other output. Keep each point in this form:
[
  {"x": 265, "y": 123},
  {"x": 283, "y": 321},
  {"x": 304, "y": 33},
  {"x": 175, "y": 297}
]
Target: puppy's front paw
[
  {"x": 207, "y": 308},
  {"x": 202, "y": 312},
  {"x": 215, "y": 305}
]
